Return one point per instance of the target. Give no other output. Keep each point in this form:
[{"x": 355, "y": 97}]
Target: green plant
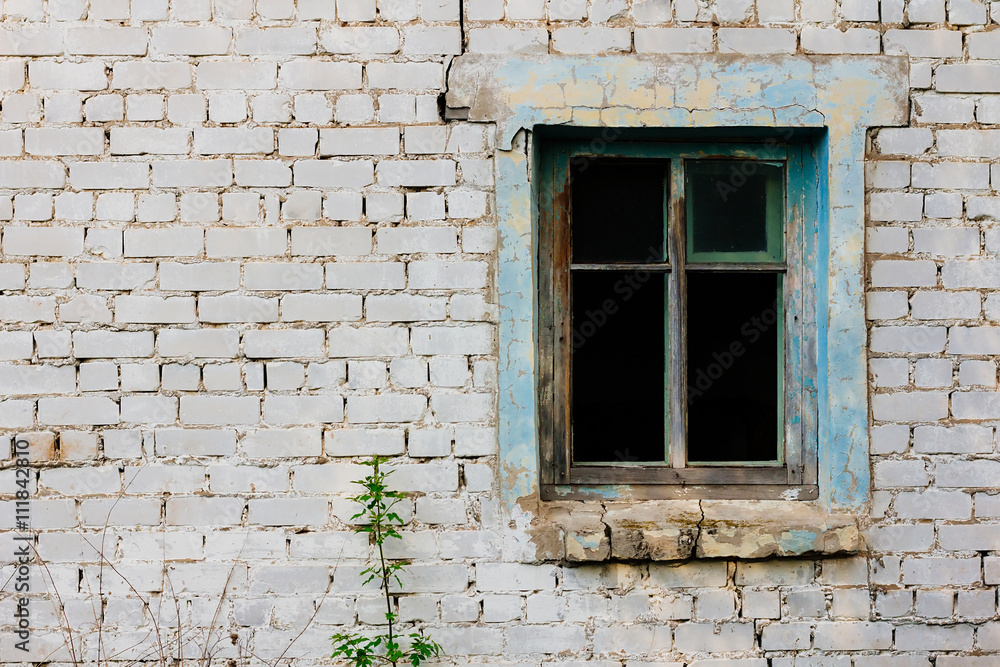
[{"x": 380, "y": 520}]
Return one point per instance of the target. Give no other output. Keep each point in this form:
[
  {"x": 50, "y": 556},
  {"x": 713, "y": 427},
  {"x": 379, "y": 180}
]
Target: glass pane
[
  {"x": 733, "y": 382},
  {"x": 734, "y": 205},
  {"x": 618, "y": 366},
  {"x": 617, "y": 210}
]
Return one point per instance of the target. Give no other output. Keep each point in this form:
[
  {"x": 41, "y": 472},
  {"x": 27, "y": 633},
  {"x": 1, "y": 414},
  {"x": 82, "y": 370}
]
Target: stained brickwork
[{"x": 241, "y": 246}]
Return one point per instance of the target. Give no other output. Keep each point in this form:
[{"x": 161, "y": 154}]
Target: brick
[
  {"x": 166, "y": 242},
  {"x": 193, "y": 174},
  {"x": 982, "y": 273},
  {"x": 90, "y": 41},
  {"x": 93, "y": 410},
  {"x": 923, "y": 43},
  {"x": 475, "y": 339},
  {"x": 191, "y": 40},
  {"x": 910, "y": 406},
  {"x": 262, "y": 173},
  {"x": 279, "y": 344},
  {"x": 109, "y": 344},
  {"x": 152, "y": 309},
  {"x": 315, "y": 75},
  {"x": 141, "y": 141},
  {"x": 590, "y": 40},
  {"x": 237, "y": 75},
  {"x": 101, "y": 176},
  {"x": 447, "y": 275},
  {"x": 431, "y": 40},
  {"x": 220, "y": 410},
  {"x": 405, "y": 308},
  {"x": 45, "y": 75},
  {"x": 274, "y": 40},
  {"x": 406, "y": 240},
  {"x": 334, "y": 173},
  {"x": 283, "y": 276},
  {"x": 950, "y": 175},
  {"x": 971, "y": 538},
  {"x": 416, "y": 173},
  {"x": 943, "y": 242},
  {"x": 361, "y": 40},
  {"x": 359, "y": 141},
  {"x": 288, "y": 511},
  {"x": 508, "y": 40},
  {"x": 323, "y": 241},
  {"x": 405, "y": 76},
  {"x": 34, "y": 41},
  {"x": 27, "y": 380},
  {"x": 785, "y": 636},
  {"x": 969, "y": 143},
  {"x": 975, "y": 405},
  {"x": 142, "y": 75},
  {"x": 927, "y": 305},
  {"x": 368, "y": 275},
  {"x": 233, "y": 140},
  {"x": 204, "y": 511},
  {"x": 756, "y": 40},
  {"x": 207, "y": 343},
  {"x": 201, "y": 277},
  {"x": 963, "y": 474},
  {"x": 245, "y": 242},
  {"x": 853, "y": 636},
  {"x": 703, "y": 637},
  {"x": 23, "y": 174},
  {"x": 968, "y": 78},
  {"x": 904, "y": 273},
  {"x": 983, "y": 46},
  {"x": 904, "y": 141},
  {"x": 833, "y": 40},
  {"x": 933, "y": 504},
  {"x": 64, "y": 141},
  {"x": 962, "y": 439},
  {"x": 901, "y": 538},
  {"x": 114, "y": 276},
  {"x": 890, "y": 474},
  {"x": 237, "y": 308},
  {"x": 320, "y": 307},
  {"x": 385, "y": 408},
  {"x": 941, "y": 571}
]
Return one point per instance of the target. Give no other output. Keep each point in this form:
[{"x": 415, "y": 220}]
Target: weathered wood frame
[{"x": 794, "y": 474}]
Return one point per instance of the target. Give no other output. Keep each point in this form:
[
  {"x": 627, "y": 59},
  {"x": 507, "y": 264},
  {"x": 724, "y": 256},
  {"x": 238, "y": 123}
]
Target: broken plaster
[{"x": 843, "y": 95}]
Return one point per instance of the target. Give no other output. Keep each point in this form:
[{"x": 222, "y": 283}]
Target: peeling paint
[{"x": 846, "y": 95}]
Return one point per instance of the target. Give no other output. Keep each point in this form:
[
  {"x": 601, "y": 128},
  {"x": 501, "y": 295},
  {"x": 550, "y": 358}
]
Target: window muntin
[{"x": 623, "y": 319}]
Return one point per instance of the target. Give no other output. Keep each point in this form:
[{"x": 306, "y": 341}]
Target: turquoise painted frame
[{"x": 843, "y": 96}]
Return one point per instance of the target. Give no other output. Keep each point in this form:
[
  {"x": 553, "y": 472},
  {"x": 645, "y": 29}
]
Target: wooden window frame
[{"x": 794, "y": 476}]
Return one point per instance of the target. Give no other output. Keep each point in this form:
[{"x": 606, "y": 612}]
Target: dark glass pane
[
  {"x": 617, "y": 213},
  {"x": 618, "y": 366},
  {"x": 729, "y": 202},
  {"x": 733, "y": 381}
]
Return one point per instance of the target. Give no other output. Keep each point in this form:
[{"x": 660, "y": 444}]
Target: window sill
[{"x": 592, "y": 531}]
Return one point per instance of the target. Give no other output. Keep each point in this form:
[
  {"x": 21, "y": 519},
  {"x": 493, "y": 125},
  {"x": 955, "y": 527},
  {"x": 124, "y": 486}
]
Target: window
[{"x": 675, "y": 302}]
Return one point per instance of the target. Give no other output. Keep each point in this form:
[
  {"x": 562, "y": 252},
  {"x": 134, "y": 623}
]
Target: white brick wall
[{"x": 241, "y": 248}]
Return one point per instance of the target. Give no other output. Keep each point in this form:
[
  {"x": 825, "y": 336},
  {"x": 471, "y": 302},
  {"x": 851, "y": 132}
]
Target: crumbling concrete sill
[{"x": 586, "y": 531}]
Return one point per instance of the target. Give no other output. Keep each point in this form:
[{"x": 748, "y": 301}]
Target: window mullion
[{"x": 677, "y": 309}]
